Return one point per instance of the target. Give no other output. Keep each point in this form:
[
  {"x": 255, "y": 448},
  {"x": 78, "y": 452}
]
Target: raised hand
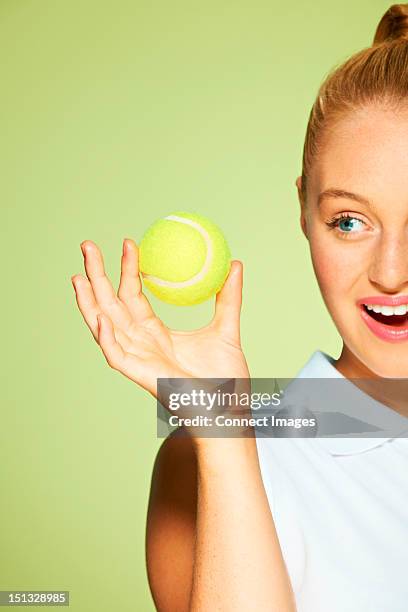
[{"x": 138, "y": 344}]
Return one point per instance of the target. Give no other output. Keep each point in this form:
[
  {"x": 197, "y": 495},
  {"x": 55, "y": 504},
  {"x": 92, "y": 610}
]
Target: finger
[
  {"x": 118, "y": 359},
  {"x": 90, "y": 309},
  {"x": 130, "y": 286},
  {"x": 102, "y": 288},
  {"x": 111, "y": 348},
  {"x": 228, "y": 303},
  {"x": 86, "y": 302}
]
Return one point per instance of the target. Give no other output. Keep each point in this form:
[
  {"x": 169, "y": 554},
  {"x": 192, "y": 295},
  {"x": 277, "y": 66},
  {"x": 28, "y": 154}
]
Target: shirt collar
[{"x": 321, "y": 365}]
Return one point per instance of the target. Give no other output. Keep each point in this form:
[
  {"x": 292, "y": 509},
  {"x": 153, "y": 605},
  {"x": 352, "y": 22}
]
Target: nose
[{"x": 388, "y": 270}]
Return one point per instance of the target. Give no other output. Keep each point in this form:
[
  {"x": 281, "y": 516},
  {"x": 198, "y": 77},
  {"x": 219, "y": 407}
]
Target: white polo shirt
[{"x": 340, "y": 507}]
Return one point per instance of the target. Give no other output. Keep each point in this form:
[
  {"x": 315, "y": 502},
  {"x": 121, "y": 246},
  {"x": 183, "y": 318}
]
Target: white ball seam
[{"x": 207, "y": 262}]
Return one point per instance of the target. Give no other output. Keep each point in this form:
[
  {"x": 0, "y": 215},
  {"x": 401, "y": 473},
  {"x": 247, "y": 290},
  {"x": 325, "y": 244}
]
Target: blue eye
[
  {"x": 349, "y": 224},
  {"x": 346, "y": 224}
]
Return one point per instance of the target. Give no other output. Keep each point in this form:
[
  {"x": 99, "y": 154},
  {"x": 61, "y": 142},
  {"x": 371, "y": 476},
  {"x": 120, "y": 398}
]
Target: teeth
[
  {"x": 388, "y": 310},
  {"x": 400, "y": 310}
]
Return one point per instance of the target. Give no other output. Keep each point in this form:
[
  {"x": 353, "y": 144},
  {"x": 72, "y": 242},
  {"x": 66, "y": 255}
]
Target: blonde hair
[{"x": 377, "y": 74}]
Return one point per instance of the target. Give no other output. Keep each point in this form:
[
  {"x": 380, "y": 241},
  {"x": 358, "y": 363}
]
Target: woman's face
[{"x": 356, "y": 221}]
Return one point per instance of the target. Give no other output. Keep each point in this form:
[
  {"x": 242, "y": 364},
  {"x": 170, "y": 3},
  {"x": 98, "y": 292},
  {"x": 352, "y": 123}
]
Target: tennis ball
[{"x": 184, "y": 259}]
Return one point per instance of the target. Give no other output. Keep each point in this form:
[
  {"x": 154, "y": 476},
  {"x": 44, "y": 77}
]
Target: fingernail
[{"x": 124, "y": 246}]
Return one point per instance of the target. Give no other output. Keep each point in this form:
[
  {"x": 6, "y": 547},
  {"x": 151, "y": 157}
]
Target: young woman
[{"x": 281, "y": 525}]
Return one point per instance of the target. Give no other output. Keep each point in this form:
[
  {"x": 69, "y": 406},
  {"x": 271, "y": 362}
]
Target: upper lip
[{"x": 384, "y": 300}]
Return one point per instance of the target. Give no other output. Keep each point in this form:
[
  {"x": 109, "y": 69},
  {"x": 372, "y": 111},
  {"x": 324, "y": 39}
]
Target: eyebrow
[{"x": 341, "y": 193}]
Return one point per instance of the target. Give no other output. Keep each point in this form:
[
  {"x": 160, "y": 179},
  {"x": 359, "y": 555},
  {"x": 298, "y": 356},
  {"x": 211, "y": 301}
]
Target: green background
[{"x": 113, "y": 114}]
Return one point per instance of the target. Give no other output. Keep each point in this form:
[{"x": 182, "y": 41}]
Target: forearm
[{"x": 238, "y": 564}]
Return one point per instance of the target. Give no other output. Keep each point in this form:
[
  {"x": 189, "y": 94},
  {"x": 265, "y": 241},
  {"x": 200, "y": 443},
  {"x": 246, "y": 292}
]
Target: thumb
[{"x": 228, "y": 303}]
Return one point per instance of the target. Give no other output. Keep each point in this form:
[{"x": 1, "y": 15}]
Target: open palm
[{"x": 138, "y": 344}]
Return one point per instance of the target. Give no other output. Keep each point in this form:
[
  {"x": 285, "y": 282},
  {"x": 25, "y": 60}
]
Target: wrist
[{"x": 219, "y": 453}]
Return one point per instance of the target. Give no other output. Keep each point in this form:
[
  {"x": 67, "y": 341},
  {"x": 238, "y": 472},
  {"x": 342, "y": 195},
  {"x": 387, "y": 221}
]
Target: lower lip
[{"x": 389, "y": 333}]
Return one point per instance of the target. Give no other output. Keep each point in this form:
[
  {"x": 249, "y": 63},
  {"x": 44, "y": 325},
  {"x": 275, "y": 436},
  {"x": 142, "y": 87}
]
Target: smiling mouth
[{"x": 392, "y": 316}]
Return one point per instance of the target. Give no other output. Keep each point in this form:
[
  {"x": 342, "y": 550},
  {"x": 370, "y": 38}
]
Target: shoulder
[{"x": 171, "y": 523}]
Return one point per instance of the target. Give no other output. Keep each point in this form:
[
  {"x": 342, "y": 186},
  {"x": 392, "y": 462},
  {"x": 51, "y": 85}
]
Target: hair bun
[{"x": 393, "y": 25}]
